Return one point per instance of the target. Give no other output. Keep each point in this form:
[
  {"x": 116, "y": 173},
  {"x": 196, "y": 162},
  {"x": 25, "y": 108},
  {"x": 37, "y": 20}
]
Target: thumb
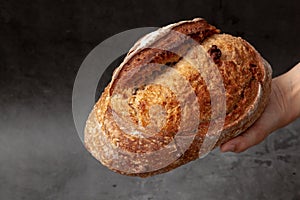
[{"x": 253, "y": 136}]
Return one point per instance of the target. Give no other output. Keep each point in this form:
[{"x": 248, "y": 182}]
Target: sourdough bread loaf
[{"x": 172, "y": 87}]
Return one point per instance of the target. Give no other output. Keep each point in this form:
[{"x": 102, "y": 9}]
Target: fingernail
[{"x": 228, "y": 148}]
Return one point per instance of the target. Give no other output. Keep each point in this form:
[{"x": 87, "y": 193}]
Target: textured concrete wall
[{"x": 42, "y": 45}]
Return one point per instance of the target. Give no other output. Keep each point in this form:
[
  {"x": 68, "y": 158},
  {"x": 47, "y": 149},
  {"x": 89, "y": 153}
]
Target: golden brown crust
[
  {"x": 139, "y": 113},
  {"x": 163, "y": 49}
]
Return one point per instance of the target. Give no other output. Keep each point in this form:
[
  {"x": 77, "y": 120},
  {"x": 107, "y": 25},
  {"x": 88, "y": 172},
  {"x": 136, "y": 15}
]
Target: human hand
[{"x": 283, "y": 108}]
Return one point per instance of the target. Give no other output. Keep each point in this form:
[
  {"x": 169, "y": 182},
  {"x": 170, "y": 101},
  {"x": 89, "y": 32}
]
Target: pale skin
[{"x": 282, "y": 109}]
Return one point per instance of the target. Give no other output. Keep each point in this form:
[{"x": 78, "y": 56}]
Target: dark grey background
[{"x": 42, "y": 45}]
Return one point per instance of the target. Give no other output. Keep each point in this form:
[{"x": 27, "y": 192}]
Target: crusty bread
[{"x": 155, "y": 113}]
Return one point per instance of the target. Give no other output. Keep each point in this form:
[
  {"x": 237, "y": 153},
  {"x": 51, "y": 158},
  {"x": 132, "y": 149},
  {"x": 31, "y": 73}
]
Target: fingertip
[
  {"x": 240, "y": 148},
  {"x": 227, "y": 147},
  {"x": 232, "y": 145},
  {"x": 243, "y": 145}
]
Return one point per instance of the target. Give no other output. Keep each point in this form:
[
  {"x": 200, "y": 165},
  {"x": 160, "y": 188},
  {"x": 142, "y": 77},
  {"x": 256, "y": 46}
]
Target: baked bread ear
[{"x": 156, "y": 112}]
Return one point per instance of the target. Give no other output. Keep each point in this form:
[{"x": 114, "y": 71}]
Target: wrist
[
  {"x": 289, "y": 85},
  {"x": 295, "y": 90}
]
